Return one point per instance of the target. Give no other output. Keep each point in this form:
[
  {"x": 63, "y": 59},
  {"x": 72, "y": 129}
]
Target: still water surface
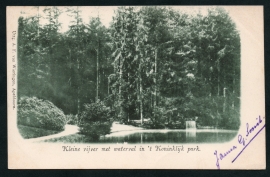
[{"x": 170, "y": 136}]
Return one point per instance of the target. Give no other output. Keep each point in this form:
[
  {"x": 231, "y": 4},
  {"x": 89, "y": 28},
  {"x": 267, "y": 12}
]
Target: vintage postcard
[{"x": 136, "y": 87}]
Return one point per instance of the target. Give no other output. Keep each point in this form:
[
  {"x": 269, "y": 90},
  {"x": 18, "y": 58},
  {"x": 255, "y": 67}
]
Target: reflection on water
[
  {"x": 191, "y": 136},
  {"x": 170, "y": 136}
]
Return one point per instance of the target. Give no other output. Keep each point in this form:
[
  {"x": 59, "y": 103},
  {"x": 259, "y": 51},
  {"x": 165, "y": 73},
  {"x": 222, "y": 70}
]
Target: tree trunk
[
  {"x": 218, "y": 89},
  {"x": 78, "y": 88},
  {"x": 155, "y": 79},
  {"x": 97, "y": 71},
  {"x": 233, "y": 88},
  {"x": 128, "y": 99},
  {"x": 78, "y": 66},
  {"x": 108, "y": 85},
  {"x": 140, "y": 94},
  {"x": 224, "y": 95},
  {"x": 120, "y": 88}
]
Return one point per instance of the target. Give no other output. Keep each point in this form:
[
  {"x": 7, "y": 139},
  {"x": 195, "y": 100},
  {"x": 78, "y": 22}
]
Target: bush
[
  {"x": 153, "y": 125},
  {"x": 177, "y": 125},
  {"x": 95, "y": 120},
  {"x": 40, "y": 113},
  {"x": 158, "y": 119},
  {"x": 72, "y": 119}
]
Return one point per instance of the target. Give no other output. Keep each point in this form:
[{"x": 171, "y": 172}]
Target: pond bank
[{"x": 117, "y": 127}]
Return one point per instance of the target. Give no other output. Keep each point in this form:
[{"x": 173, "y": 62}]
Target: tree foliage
[{"x": 152, "y": 63}]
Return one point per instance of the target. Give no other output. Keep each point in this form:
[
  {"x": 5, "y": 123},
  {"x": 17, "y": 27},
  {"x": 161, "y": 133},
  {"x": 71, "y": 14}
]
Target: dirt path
[
  {"x": 69, "y": 130},
  {"x": 72, "y": 129}
]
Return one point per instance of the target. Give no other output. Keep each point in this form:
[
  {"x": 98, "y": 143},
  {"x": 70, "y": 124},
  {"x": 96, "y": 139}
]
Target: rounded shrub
[
  {"x": 40, "y": 113},
  {"x": 95, "y": 120}
]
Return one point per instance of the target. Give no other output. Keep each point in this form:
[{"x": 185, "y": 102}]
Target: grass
[
  {"x": 75, "y": 138},
  {"x": 33, "y": 132}
]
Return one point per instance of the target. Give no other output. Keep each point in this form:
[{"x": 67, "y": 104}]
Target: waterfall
[{"x": 190, "y": 125}]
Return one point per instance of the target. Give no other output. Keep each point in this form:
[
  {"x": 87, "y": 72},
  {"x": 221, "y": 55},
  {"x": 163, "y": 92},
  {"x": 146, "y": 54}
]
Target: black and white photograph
[{"x": 125, "y": 80}]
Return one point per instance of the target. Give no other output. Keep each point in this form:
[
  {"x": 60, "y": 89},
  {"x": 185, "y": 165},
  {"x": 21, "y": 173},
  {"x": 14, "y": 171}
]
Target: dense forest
[{"x": 152, "y": 64}]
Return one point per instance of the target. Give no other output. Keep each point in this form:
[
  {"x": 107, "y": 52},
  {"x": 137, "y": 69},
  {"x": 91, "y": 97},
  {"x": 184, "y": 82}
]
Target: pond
[{"x": 170, "y": 136}]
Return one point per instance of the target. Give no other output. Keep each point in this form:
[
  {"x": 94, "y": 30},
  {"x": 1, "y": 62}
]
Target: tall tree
[
  {"x": 124, "y": 29},
  {"x": 155, "y": 21},
  {"x": 76, "y": 33}
]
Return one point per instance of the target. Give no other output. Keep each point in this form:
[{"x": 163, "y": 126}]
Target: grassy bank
[
  {"x": 33, "y": 132},
  {"x": 75, "y": 138}
]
